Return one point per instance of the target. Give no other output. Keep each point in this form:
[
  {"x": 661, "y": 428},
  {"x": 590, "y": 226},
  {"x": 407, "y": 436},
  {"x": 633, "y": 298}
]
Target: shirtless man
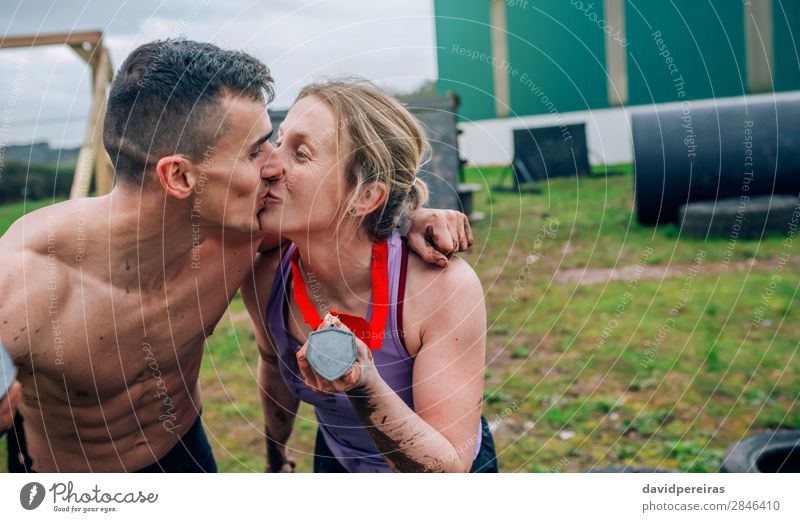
[{"x": 107, "y": 301}]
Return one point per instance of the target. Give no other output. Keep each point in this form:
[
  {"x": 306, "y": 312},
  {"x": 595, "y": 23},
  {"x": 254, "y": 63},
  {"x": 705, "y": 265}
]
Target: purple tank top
[{"x": 339, "y": 423}]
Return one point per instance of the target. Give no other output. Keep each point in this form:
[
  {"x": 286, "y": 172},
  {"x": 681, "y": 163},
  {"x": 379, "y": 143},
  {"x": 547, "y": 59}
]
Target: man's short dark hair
[{"x": 166, "y": 97}]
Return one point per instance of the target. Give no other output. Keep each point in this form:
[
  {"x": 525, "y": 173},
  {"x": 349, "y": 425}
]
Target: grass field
[{"x": 609, "y": 343}]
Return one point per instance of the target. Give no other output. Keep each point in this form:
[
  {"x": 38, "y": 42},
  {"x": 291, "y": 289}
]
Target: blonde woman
[{"x": 412, "y": 400}]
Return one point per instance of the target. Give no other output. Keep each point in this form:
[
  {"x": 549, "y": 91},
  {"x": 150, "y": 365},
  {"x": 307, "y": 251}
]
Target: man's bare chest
[{"x": 104, "y": 337}]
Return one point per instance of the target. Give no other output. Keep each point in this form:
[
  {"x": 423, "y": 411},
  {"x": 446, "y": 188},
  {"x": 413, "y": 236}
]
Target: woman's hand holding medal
[{"x": 361, "y": 373}]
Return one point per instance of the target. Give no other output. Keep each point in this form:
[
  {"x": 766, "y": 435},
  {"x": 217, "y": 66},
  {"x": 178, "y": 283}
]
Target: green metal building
[{"x": 530, "y": 57}]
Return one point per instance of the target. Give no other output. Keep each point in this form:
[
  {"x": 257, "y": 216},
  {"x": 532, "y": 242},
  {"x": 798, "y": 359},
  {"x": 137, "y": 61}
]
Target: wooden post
[
  {"x": 95, "y": 56},
  {"x": 92, "y": 154},
  {"x": 89, "y": 149},
  {"x": 103, "y": 169}
]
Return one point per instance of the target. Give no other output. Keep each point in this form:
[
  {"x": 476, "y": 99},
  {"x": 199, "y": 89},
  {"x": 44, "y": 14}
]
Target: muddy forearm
[
  {"x": 405, "y": 440},
  {"x": 277, "y": 403}
]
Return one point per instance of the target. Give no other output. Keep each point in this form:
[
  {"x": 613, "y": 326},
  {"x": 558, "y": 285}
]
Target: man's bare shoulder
[
  {"x": 61, "y": 223},
  {"x": 43, "y": 246}
]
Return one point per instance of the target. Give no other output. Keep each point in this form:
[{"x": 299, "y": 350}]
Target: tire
[
  {"x": 775, "y": 452},
  {"x": 627, "y": 469}
]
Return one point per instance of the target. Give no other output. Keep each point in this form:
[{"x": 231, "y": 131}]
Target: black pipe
[{"x": 695, "y": 153}]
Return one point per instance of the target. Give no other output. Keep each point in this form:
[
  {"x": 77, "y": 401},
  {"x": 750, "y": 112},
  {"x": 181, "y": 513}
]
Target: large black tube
[{"x": 714, "y": 151}]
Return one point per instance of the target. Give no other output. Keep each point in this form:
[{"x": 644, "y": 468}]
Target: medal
[
  {"x": 8, "y": 372},
  {"x": 332, "y": 351},
  {"x": 371, "y": 333}
]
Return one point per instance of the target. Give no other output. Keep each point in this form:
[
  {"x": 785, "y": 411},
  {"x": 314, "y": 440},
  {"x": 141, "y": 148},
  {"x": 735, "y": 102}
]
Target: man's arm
[
  {"x": 280, "y": 409},
  {"x": 11, "y": 391},
  {"x": 278, "y": 403},
  {"x": 435, "y": 235}
]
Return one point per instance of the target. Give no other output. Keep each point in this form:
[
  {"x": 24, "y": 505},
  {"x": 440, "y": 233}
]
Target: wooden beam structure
[
  {"x": 92, "y": 155},
  {"x": 90, "y": 37}
]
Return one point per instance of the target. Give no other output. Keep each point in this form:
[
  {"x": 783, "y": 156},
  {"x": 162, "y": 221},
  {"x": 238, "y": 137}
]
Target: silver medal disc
[
  {"x": 8, "y": 372},
  {"x": 331, "y": 352}
]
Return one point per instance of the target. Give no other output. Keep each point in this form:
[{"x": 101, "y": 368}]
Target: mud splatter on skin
[{"x": 386, "y": 444}]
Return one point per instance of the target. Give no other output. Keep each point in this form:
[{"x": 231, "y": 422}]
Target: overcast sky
[{"x": 45, "y": 92}]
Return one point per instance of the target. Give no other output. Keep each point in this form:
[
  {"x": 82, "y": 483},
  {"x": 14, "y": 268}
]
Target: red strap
[
  {"x": 310, "y": 315},
  {"x": 371, "y": 333}
]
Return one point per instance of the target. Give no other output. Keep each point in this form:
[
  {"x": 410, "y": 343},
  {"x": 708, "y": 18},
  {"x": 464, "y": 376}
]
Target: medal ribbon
[{"x": 371, "y": 333}]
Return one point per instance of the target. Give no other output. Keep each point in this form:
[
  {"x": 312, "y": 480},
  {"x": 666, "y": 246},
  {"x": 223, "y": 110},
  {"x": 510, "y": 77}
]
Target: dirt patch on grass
[{"x": 596, "y": 276}]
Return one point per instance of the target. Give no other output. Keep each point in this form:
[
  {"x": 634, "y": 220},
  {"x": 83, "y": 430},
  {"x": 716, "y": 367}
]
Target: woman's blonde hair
[{"x": 387, "y": 146}]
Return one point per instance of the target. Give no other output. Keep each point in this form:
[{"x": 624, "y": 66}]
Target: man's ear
[
  {"x": 373, "y": 196},
  {"x": 176, "y": 175}
]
